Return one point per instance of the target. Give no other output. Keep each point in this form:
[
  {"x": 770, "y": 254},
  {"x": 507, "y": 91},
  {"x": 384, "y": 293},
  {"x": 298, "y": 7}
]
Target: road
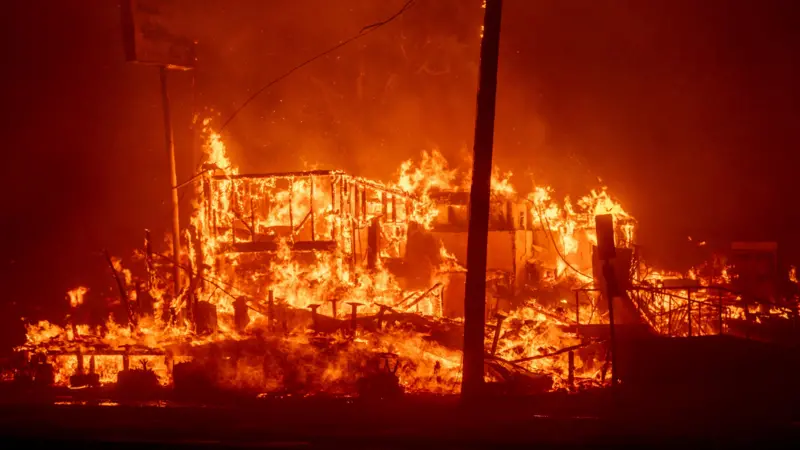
[{"x": 346, "y": 423}]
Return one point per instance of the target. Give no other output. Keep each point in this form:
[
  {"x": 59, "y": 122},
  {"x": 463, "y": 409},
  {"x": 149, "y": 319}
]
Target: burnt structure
[
  {"x": 310, "y": 210},
  {"x": 243, "y": 224}
]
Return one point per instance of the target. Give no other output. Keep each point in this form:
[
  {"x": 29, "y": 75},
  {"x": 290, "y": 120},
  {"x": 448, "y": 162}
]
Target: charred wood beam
[
  {"x": 498, "y": 328},
  {"x": 423, "y": 295},
  {"x": 234, "y": 209},
  {"x": 499, "y": 360},
  {"x": 281, "y": 175},
  {"x": 291, "y": 204},
  {"x": 373, "y": 243},
  {"x": 299, "y": 226},
  {"x": 198, "y": 251},
  {"x": 154, "y": 352},
  {"x": 148, "y": 258},
  {"x": 546, "y": 313},
  {"x": 364, "y": 203},
  {"x": 252, "y": 212},
  {"x": 316, "y": 173},
  {"x": 311, "y": 209},
  {"x": 555, "y": 353},
  {"x": 123, "y": 294}
]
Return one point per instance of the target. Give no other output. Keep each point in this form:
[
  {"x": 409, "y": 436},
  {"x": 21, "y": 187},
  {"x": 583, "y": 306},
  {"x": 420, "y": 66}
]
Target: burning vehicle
[{"x": 321, "y": 282}]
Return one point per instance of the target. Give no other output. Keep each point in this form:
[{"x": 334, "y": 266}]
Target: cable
[
  {"x": 542, "y": 221},
  {"x": 363, "y": 32},
  {"x": 194, "y": 177}
]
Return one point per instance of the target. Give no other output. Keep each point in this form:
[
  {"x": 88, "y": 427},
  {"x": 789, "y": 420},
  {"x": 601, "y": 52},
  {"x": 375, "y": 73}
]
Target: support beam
[{"x": 475, "y": 297}]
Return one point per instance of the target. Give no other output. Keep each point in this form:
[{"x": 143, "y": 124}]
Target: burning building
[{"x": 319, "y": 281}]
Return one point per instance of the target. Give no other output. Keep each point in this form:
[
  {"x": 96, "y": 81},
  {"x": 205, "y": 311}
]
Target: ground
[{"x": 413, "y": 422}]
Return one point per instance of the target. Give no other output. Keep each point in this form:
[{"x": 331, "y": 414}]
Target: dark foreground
[{"x": 415, "y": 422}]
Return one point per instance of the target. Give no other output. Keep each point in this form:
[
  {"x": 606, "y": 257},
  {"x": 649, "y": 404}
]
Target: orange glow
[
  {"x": 76, "y": 295},
  {"x": 295, "y": 255}
]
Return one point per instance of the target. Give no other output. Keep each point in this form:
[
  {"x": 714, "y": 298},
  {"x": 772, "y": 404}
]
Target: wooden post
[
  {"x": 669, "y": 317},
  {"x": 364, "y": 203},
  {"x": 148, "y": 259},
  {"x": 333, "y": 194},
  {"x": 689, "y": 309},
  {"x": 311, "y": 210},
  {"x": 335, "y": 232},
  {"x": 571, "y": 368},
  {"x": 211, "y": 207},
  {"x": 373, "y": 243},
  {"x": 169, "y": 362},
  {"x": 498, "y": 328},
  {"x": 291, "y": 208},
  {"x": 746, "y": 320},
  {"x": 608, "y": 274},
  {"x": 253, "y": 224},
  {"x": 235, "y": 209},
  {"x": 173, "y": 180},
  {"x": 604, "y": 226},
  {"x": 357, "y": 202},
  {"x": 271, "y": 311},
  {"x": 353, "y": 237},
  {"x": 79, "y": 369},
  {"x": 477, "y": 239}
]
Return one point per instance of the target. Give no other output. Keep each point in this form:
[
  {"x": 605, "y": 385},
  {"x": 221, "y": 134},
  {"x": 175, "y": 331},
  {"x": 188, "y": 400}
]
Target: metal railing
[{"x": 686, "y": 311}]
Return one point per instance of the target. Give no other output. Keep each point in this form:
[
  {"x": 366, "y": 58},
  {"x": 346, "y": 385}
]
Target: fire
[
  {"x": 302, "y": 293},
  {"x": 76, "y": 296},
  {"x": 431, "y": 175},
  {"x": 316, "y": 277},
  {"x": 42, "y": 332},
  {"x": 501, "y": 183}
]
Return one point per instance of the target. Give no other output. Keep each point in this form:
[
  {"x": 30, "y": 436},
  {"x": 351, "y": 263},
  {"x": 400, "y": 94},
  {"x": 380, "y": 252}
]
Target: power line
[
  {"x": 363, "y": 32},
  {"x": 542, "y": 221}
]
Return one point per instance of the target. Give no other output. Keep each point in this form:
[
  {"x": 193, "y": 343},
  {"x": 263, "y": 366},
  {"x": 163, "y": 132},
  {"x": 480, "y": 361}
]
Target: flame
[
  {"x": 75, "y": 296},
  {"x": 324, "y": 301}
]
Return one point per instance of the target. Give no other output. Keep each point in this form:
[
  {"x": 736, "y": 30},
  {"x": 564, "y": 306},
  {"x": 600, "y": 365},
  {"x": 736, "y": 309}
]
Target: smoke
[{"x": 407, "y": 87}]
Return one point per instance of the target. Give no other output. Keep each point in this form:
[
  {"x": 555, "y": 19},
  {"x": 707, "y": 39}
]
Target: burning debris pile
[{"x": 322, "y": 282}]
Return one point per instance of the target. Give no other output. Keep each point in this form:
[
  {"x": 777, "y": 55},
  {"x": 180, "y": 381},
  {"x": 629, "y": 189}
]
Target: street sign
[{"x": 152, "y": 34}]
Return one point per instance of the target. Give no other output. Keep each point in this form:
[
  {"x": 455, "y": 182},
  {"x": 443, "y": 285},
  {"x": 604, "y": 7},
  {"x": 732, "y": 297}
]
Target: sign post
[
  {"x": 173, "y": 181},
  {"x": 148, "y": 38}
]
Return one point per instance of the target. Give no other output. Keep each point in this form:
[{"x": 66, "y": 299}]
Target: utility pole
[
  {"x": 475, "y": 297},
  {"x": 173, "y": 183}
]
